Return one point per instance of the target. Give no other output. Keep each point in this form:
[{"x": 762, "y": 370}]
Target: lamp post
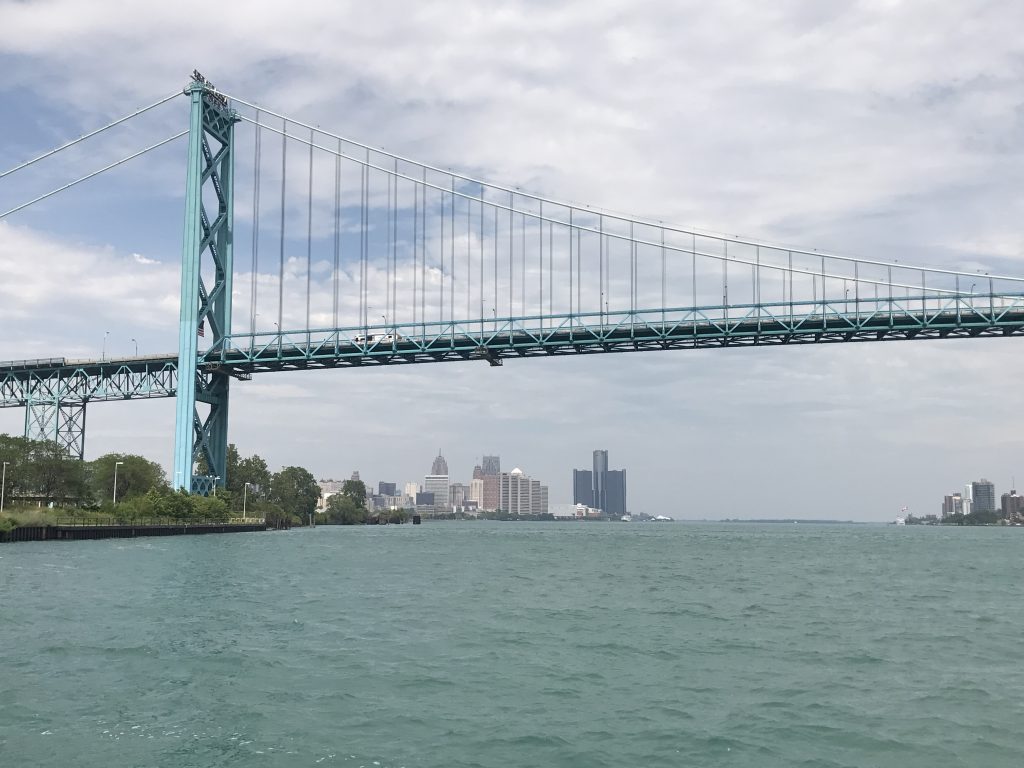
[
  {"x": 245, "y": 493},
  {"x": 116, "y": 465},
  {"x": 104, "y": 355},
  {"x": 3, "y": 485},
  {"x": 215, "y": 481},
  {"x": 136, "y": 346}
]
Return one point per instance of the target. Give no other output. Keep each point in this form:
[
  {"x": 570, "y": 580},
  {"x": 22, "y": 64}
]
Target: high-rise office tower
[
  {"x": 600, "y": 487},
  {"x": 438, "y": 486},
  {"x": 491, "y": 465},
  {"x": 478, "y": 472},
  {"x": 984, "y": 495},
  {"x": 440, "y": 466},
  {"x": 615, "y": 492},
  {"x": 601, "y": 480},
  {"x": 387, "y": 489},
  {"x": 583, "y": 487}
]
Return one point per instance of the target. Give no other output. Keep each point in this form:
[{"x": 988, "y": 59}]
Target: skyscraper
[
  {"x": 437, "y": 485},
  {"x": 984, "y": 494},
  {"x": 491, "y": 465},
  {"x": 601, "y": 480},
  {"x": 615, "y": 495},
  {"x": 600, "y": 487},
  {"x": 440, "y": 466},
  {"x": 583, "y": 487}
]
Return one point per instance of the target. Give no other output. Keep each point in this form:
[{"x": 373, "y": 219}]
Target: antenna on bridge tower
[{"x": 207, "y": 235}]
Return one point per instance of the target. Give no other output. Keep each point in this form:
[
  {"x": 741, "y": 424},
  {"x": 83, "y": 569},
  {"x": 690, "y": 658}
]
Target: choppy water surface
[{"x": 502, "y": 644}]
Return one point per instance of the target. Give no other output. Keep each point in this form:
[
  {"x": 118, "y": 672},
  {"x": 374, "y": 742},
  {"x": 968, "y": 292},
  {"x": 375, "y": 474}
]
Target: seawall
[{"x": 78, "y": 532}]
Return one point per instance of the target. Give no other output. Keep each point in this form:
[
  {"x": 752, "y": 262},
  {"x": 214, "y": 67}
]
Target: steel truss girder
[
  {"x": 643, "y": 330},
  {"x": 56, "y": 422},
  {"x": 208, "y": 240}
]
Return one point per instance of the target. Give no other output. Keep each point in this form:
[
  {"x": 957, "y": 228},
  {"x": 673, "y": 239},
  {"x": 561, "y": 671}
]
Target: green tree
[
  {"x": 16, "y": 452},
  {"x": 355, "y": 490},
  {"x": 342, "y": 509},
  {"x": 53, "y": 475},
  {"x": 136, "y": 476},
  {"x": 295, "y": 490},
  {"x": 252, "y": 470}
]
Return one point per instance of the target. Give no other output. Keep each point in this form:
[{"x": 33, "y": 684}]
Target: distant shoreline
[{"x": 793, "y": 520}]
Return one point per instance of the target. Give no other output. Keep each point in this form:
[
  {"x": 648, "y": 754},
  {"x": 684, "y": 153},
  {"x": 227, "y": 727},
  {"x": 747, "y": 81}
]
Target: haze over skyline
[{"x": 886, "y": 130}]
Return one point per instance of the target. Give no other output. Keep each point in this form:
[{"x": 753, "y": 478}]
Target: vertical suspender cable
[
  {"x": 415, "y": 248},
  {"x": 511, "y": 252},
  {"x": 394, "y": 252},
  {"x": 570, "y": 269},
  {"x": 255, "y": 227},
  {"x": 337, "y": 232},
  {"x": 440, "y": 263},
  {"x": 451, "y": 299},
  {"x": 423, "y": 256},
  {"x": 280, "y": 276},
  {"x": 387, "y": 254},
  {"x": 309, "y": 233},
  {"x": 481, "y": 258},
  {"x": 540, "y": 264},
  {"x": 522, "y": 250}
]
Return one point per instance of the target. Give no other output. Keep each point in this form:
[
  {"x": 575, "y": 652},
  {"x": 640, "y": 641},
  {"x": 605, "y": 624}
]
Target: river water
[{"x": 517, "y": 644}]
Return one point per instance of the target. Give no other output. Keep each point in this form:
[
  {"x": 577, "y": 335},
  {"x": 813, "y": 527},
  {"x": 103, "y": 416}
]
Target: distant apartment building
[
  {"x": 1011, "y": 505},
  {"x": 952, "y": 505},
  {"x": 457, "y": 494},
  {"x": 518, "y": 494},
  {"x": 476, "y": 491},
  {"x": 490, "y": 491},
  {"x": 327, "y": 489},
  {"x": 984, "y": 496}
]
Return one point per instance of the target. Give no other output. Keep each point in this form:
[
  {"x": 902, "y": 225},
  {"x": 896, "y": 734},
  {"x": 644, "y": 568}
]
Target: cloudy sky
[{"x": 889, "y": 130}]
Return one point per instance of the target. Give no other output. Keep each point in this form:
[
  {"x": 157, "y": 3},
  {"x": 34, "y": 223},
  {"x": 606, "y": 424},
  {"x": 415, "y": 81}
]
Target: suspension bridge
[{"x": 365, "y": 258}]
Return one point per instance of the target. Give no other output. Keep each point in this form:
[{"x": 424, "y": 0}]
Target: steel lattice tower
[{"x": 205, "y": 308}]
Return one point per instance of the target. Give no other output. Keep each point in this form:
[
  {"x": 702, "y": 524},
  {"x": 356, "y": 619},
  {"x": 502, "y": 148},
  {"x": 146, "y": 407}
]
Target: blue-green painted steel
[
  {"x": 210, "y": 161},
  {"x": 43, "y": 383}
]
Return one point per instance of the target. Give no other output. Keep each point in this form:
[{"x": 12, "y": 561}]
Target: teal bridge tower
[{"x": 208, "y": 240}]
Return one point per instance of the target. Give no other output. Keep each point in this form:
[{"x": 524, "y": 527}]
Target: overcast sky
[{"x": 890, "y": 130}]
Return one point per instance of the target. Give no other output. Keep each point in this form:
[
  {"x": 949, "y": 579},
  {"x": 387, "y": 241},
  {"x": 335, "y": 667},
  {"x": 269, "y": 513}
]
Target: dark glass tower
[
  {"x": 601, "y": 480},
  {"x": 583, "y": 487}
]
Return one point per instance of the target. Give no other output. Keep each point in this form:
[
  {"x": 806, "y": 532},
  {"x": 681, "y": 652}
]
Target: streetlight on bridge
[{"x": 104, "y": 355}]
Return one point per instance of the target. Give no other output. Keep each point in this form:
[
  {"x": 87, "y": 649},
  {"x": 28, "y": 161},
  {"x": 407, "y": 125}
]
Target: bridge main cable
[
  {"x": 89, "y": 135},
  {"x": 69, "y": 185}
]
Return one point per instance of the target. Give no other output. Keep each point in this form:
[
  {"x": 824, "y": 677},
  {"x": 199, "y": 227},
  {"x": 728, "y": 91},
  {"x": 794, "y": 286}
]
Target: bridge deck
[{"x": 156, "y": 375}]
